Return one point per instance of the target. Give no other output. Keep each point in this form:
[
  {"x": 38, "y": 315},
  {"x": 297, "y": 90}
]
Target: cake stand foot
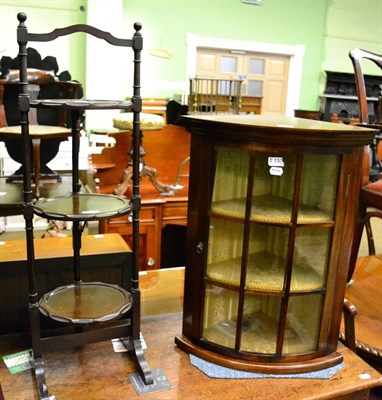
[
  {"x": 145, "y": 371},
  {"x": 40, "y": 378}
]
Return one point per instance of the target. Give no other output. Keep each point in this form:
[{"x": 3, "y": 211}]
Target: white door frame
[{"x": 296, "y": 54}]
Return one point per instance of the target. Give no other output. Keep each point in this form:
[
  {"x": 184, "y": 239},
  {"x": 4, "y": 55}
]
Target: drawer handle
[{"x": 199, "y": 247}]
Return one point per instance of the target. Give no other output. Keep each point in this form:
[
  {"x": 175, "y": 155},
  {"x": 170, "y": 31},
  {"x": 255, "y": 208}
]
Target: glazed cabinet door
[{"x": 270, "y": 232}]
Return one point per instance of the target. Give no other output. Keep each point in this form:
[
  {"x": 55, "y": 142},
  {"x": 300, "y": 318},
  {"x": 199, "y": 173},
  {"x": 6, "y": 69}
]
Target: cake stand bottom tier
[{"x": 86, "y": 303}]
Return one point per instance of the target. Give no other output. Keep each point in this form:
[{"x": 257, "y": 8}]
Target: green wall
[
  {"x": 44, "y": 16},
  {"x": 351, "y": 24},
  {"x": 327, "y": 29},
  {"x": 287, "y": 22}
]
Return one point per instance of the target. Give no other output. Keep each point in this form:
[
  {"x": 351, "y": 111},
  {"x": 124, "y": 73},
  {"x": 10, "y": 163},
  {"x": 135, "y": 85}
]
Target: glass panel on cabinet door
[
  {"x": 225, "y": 248},
  {"x": 273, "y": 187},
  {"x": 268, "y": 246},
  {"x": 303, "y": 323},
  {"x": 260, "y": 324},
  {"x": 318, "y": 188},
  {"x": 220, "y": 316},
  {"x": 310, "y": 258},
  {"x": 230, "y": 183}
]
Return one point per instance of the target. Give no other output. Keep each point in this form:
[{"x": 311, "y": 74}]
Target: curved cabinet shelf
[
  {"x": 266, "y": 276},
  {"x": 257, "y": 329},
  {"x": 82, "y": 207},
  {"x": 86, "y": 303},
  {"x": 269, "y": 209}
]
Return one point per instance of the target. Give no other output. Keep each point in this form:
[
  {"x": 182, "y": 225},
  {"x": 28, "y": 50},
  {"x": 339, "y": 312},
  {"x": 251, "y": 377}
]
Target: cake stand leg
[
  {"x": 38, "y": 363},
  {"x": 40, "y": 378},
  {"x": 143, "y": 366}
]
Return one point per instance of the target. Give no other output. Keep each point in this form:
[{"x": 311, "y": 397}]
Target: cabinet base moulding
[{"x": 284, "y": 368}]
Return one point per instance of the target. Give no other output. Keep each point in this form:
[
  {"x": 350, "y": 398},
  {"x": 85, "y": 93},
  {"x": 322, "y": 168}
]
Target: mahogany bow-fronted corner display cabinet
[{"x": 272, "y": 209}]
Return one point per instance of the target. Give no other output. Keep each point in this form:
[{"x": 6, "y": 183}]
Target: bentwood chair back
[{"x": 371, "y": 191}]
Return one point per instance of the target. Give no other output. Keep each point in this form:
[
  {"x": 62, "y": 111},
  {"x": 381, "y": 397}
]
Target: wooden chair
[
  {"x": 362, "y": 326},
  {"x": 371, "y": 192},
  {"x": 347, "y": 335}
]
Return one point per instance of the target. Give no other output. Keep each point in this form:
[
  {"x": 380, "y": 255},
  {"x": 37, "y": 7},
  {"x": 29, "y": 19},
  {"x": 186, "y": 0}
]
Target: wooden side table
[
  {"x": 148, "y": 122},
  {"x": 166, "y": 149}
]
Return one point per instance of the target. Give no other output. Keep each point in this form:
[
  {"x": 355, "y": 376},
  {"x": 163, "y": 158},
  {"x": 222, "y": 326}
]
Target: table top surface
[
  {"x": 14, "y": 251},
  {"x": 36, "y": 131},
  {"x": 11, "y": 193},
  {"x": 162, "y": 300},
  {"x": 162, "y": 295},
  {"x": 279, "y": 123}
]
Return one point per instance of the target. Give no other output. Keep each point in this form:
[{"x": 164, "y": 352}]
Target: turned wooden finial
[
  {"x": 137, "y": 26},
  {"x": 21, "y": 17}
]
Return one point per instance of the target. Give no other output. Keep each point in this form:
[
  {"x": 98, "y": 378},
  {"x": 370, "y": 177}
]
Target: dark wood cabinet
[
  {"x": 272, "y": 208},
  {"x": 339, "y": 102}
]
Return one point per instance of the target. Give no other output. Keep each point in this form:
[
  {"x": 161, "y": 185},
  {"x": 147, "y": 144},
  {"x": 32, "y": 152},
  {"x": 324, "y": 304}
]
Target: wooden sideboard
[
  {"x": 156, "y": 214},
  {"x": 165, "y": 150}
]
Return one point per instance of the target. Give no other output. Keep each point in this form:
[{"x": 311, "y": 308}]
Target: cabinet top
[{"x": 278, "y": 130}]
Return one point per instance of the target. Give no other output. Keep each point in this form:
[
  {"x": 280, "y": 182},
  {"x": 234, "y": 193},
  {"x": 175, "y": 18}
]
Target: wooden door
[{"x": 264, "y": 75}]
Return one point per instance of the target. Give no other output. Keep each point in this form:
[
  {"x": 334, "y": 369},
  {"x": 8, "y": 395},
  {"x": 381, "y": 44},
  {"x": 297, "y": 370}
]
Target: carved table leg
[{"x": 145, "y": 170}]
